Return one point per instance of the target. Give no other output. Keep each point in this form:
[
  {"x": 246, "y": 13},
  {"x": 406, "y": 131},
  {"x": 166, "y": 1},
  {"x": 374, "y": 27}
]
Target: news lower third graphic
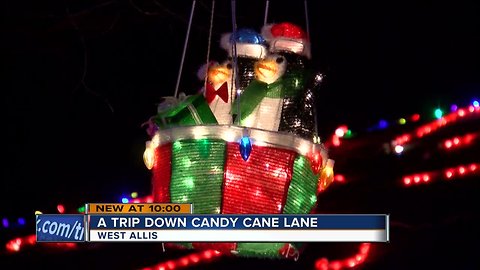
[
  {"x": 239, "y": 228},
  {"x": 176, "y": 223},
  {"x": 60, "y": 228}
]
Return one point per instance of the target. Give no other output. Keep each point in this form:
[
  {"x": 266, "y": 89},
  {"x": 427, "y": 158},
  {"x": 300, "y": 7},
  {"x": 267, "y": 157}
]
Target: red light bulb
[
  {"x": 448, "y": 144},
  {"x": 416, "y": 178}
]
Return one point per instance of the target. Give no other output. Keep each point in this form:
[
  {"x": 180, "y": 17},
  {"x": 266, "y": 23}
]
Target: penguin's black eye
[
  {"x": 229, "y": 66},
  {"x": 279, "y": 60}
]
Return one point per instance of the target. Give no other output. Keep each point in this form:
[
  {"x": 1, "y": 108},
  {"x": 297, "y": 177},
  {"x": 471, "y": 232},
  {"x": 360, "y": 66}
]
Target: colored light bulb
[
  {"x": 5, "y": 222},
  {"x": 245, "y": 147},
  {"x": 21, "y": 221},
  {"x": 315, "y": 162},
  {"x": 339, "y": 132},
  {"x": 326, "y": 176},
  {"x": 382, "y": 124},
  {"x": 61, "y": 209},
  {"x": 149, "y": 155},
  {"x": 438, "y": 113},
  {"x": 336, "y": 140},
  {"x": 415, "y": 117}
]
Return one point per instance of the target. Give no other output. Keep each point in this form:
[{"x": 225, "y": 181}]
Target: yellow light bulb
[
  {"x": 155, "y": 141},
  {"x": 327, "y": 175},
  {"x": 149, "y": 155}
]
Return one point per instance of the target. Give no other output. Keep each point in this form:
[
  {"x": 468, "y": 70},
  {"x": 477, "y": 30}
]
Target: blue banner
[
  {"x": 60, "y": 228},
  {"x": 206, "y": 222}
]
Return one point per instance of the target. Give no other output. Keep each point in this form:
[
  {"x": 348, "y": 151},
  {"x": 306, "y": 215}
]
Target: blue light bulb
[
  {"x": 382, "y": 124},
  {"x": 247, "y": 36},
  {"x": 245, "y": 147},
  {"x": 5, "y": 222},
  {"x": 21, "y": 221},
  {"x": 475, "y": 103},
  {"x": 124, "y": 200}
]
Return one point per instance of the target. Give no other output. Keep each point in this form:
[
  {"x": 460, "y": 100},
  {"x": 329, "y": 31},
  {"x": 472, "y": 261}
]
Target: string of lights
[
  {"x": 449, "y": 173},
  {"x": 19, "y": 243},
  {"x": 437, "y": 114},
  {"x": 343, "y": 132},
  {"x": 347, "y": 263},
  {"x": 190, "y": 260},
  {"x": 12, "y": 223},
  {"x": 458, "y": 142},
  {"x": 431, "y": 127}
]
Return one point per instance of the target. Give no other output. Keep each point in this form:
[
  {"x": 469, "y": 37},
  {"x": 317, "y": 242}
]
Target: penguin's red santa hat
[
  {"x": 287, "y": 37},
  {"x": 248, "y": 43}
]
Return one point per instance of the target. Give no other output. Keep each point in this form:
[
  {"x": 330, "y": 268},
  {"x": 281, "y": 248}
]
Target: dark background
[{"x": 82, "y": 76}]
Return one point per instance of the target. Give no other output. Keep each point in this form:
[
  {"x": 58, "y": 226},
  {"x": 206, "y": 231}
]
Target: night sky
[{"x": 80, "y": 77}]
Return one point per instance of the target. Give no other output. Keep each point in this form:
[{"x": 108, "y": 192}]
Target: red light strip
[
  {"x": 350, "y": 262},
  {"x": 19, "y": 243},
  {"x": 447, "y": 174},
  {"x": 431, "y": 127},
  {"x": 187, "y": 261},
  {"x": 459, "y": 141},
  {"x": 146, "y": 199}
]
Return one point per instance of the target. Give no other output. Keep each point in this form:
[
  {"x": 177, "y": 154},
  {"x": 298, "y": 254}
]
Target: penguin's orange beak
[
  {"x": 218, "y": 74},
  {"x": 266, "y": 69}
]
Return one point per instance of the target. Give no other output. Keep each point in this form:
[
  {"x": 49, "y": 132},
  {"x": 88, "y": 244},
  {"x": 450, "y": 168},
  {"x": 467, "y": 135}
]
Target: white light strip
[
  {"x": 231, "y": 133},
  {"x": 256, "y": 51},
  {"x": 240, "y": 236}
]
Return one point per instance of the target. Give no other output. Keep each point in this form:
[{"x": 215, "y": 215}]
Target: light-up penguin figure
[
  {"x": 300, "y": 85},
  {"x": 261, "y": 102},
  {"x": 218, "y": 92}
]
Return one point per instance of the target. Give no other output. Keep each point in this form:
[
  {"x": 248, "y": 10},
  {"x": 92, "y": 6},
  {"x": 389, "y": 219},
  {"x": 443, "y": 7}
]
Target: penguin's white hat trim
[
  {"x": 257, "y": 51},
  {"x": 281, "y": 44}
]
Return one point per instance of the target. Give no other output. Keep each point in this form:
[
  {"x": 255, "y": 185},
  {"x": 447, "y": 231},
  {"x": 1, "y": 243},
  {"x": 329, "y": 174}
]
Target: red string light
[
  {"x": 19, "y": 243},
  {"x": 335, "y": 141},
  {"x": 340, "y": 178},
  {"x": 187, "y": 261},
  {"x": 415, "y": 117},
  {"x": 146, "y": 199},
  {"x": 431, "y": 127},
  {"x": 459, "y": 141},
  {"x": 447, "y": 174},
  {"x": 350, "y": 262},
  {"x": 61, "y": 209}
]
